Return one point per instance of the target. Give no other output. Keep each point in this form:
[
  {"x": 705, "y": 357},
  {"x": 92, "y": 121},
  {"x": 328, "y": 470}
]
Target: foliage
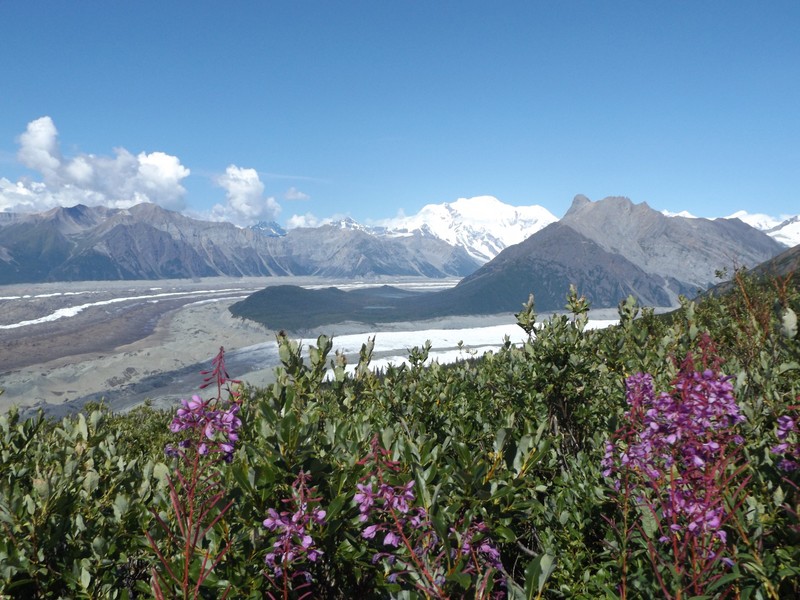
[{"x": 477, "y": 479}]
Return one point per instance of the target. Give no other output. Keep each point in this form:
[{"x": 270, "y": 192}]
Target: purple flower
[
  {"x": 789, "y": 446},
  {"x": 785, "y": 426},
  {"x": 674, "y": 449},
  {"x": 218, "y": 427},
  {"x": 409, "y": 544},
  {"x": 780, "y": 448},
  {"x": 369, "y": 532},
  {"x": 294, "y": 543},
  {"x": 365, "y": 499},
  {"x": 273, "y": 520}
]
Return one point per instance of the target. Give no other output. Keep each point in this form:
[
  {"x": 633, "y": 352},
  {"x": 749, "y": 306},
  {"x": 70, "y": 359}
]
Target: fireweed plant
[
  {"x": 788, "y": 434},
  {"x": 788, "y": 449},
  {"x": 292, "y": 543},
  {"x": 411, "y": 547},
  {"x": 185, "y": 545},
  {"x": 674, "y": 464}
]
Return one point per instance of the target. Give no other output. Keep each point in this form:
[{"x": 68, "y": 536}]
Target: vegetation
[{"x": 657, "y": 458}]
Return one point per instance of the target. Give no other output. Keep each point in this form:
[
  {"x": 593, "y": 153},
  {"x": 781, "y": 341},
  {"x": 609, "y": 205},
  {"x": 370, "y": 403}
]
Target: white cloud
[
  {"x": 117, "y": 181},
  {"x": 294, "y": 194},
  {"x": 39, "y": 147},
  {"x": 244, "y": 193},
  {"x": 306, "y": 220}
]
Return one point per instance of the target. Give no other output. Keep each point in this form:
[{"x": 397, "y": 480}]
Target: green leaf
[
  {"x": 30, "y": 505},
  {"x": 648, "y": 521},
  {"x": 121, "y": 504},
  {"x": 537, "y": 573},
  {"x": 504, "y": 533},
  {"x": 778, "y": 496},
  {"x": 42, "y": 488},
  {"x": 789, "y": 323},
  {"x": 461, "y": 578},
  {"x": 335, "y": 506},
  {"x": 90, "y": 481},
  {"x": 86, "y": 578},
  {"x": 81, "y": 426},
  {"x": 789, "y": 366},
  {"x": 724, "y": 580},
  {"x": 161, "y": 473},
  {"x": 244, "y": 476}
]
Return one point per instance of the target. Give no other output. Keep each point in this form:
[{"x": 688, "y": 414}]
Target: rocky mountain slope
[
  {"x": 612, "y": 248},
  {"x": 687, "y": 252},
  {"x": 148, "y": 242},
  {"x": 608, "y": 249}
]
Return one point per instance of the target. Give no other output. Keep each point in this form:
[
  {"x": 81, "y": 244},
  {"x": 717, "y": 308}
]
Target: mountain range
[
  {"x": 608, "y": 249},
  {"x": 149, "y": 242}
]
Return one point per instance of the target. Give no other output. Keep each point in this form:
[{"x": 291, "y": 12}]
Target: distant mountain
[
  {"x": 295, "y": 308},
  {"x": 786, "y": 231},
  {"x": 685, "y": 251},
  {"x": 483, "y": 226},
  {"x": 149, "y": 242},
  {"x": 547, "y": 263},
  {"x": 612, "y": 248},
  {"x": 608, "y": 249},
  {"x": 269, "y": 228}
]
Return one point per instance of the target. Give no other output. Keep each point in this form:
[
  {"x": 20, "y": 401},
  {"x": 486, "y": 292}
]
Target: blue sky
[{"x": 304, "y": 110}]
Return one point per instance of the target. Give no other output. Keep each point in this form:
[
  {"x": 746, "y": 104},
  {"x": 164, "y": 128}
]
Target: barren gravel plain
[
  {"x": 124, "y": 342},
  {"x": 62, "y": 345}
]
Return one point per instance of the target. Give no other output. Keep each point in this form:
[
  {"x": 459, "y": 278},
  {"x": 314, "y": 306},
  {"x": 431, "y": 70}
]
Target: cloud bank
[
  {"x": 294, "y": 194},
  {"x": 118, "y": 181},
  {"x": 125, "y": 179},
  {"x": 244, "y": 193}
]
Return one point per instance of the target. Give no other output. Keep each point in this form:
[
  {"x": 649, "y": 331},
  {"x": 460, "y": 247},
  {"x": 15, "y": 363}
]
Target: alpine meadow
[{"x": 655, "y": 458}]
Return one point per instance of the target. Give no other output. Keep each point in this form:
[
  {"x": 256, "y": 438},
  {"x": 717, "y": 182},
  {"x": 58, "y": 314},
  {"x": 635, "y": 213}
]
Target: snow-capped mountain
[
  {"x": 269, "y": 229},
  {"x": 483, "y": 225},
  {"x": 785, "y": 230}
]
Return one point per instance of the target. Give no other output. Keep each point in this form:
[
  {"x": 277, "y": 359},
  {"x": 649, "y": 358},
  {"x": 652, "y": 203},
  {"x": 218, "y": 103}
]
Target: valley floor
[{"x": 127, "y": 342}]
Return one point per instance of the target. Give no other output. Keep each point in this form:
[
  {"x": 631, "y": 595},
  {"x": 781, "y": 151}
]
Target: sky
[{"x": 307, "y": 110}]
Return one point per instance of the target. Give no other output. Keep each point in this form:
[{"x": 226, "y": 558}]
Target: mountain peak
[
  {"x": 269, "y": 229},
  {"x": 581, "y": 205},
  {"x": 347, "y": 223},
  {"x": 674, "y": 247},
  {"x": 578, "y": 202},
  {"x": 481, "y": 225}
]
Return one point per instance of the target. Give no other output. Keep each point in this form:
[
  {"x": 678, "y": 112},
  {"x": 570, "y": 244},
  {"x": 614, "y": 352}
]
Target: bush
[{"x": 483, "y": 478}]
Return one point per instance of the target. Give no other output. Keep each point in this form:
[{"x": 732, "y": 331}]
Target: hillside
[{"x": 547, "y": 468}]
